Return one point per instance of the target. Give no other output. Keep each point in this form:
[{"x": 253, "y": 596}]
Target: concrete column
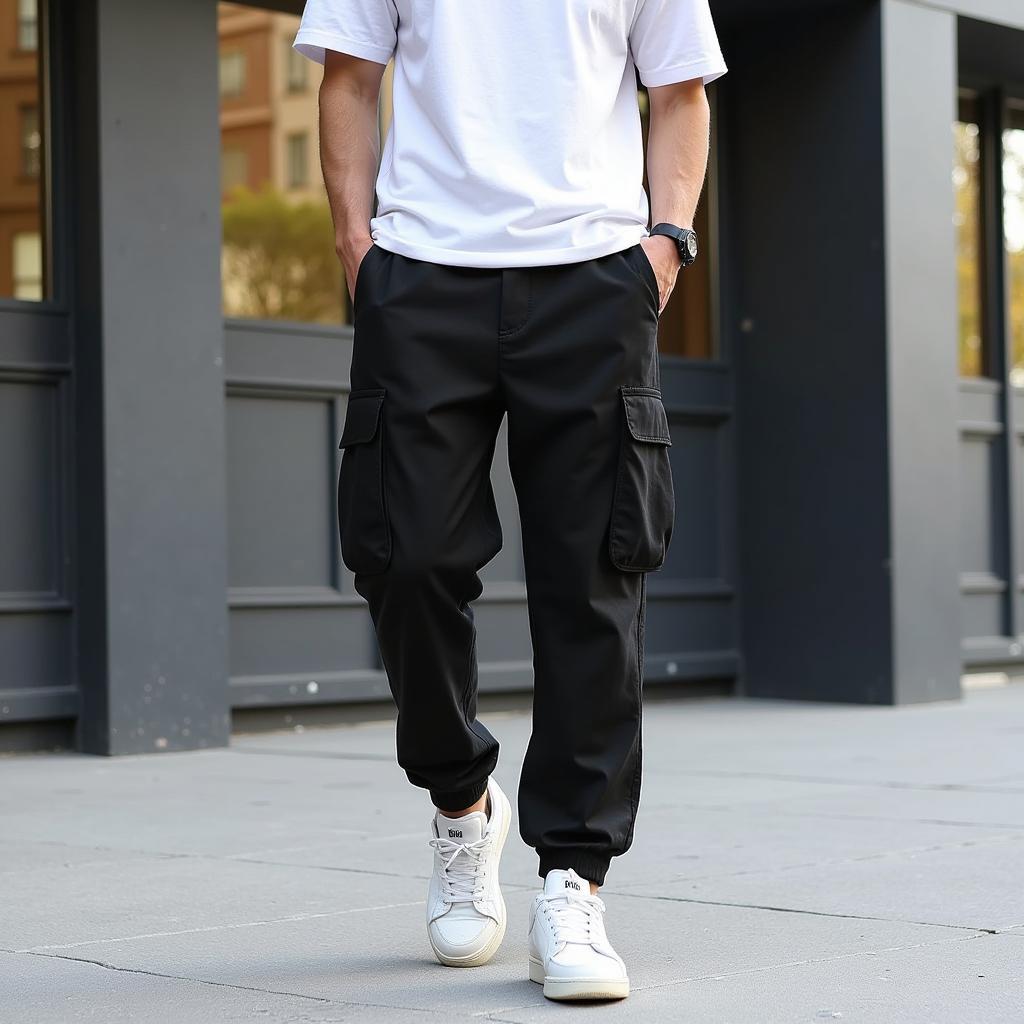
[
  {"x": 919, "y": 74},
  {"x": 150, "y": 397}
]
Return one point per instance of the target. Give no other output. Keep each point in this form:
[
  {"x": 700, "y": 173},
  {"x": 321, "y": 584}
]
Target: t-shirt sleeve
[
  {"x": 675, "y": 41},
  {"x": 362, "y": 28}
]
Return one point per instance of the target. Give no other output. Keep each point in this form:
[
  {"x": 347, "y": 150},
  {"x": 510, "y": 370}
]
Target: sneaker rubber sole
[{"x": 563, "y": 989}]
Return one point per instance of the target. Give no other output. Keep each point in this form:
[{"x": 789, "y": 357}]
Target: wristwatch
[{"x": 685, "y": 239}]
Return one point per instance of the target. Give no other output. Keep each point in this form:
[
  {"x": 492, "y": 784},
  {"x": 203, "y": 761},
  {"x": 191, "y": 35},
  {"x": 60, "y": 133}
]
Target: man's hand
[
  {"x": 663, "y": 255},
  {"x": 351, "y": 254}
]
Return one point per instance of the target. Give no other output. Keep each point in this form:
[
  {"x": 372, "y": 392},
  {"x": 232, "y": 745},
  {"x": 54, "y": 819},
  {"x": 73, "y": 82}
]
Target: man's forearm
[
  {"x": 677, "y": 151},
  {"x": 350, "y": 146}
]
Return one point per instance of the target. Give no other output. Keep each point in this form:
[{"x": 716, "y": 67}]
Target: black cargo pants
[{"x": 569, "y": 354}]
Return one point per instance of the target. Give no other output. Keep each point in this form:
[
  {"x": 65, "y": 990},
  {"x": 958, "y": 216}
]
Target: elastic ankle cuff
[
  {"x": 585, "y": 863},
  {"x": 456, "y": 799}
]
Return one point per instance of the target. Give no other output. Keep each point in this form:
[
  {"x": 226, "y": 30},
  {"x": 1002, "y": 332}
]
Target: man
[{"x": 509, "y": 271}]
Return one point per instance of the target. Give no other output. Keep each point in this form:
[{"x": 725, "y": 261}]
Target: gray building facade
[{"x": 847, "y": 435}]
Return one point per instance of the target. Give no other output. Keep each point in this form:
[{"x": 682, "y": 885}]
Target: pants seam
[
  {"x": 506, "y": 332},
  {"x": 635, "y": 793}
]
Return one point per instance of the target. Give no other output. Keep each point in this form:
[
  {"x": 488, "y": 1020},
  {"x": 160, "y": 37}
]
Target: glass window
[
  {"x": 234, "y": 169},
  {"x": 23, "y": 194},
  {"x": 1013, "y": 227},
  {"x": 278, "y": 260},
  {"x": 687, "y": 324},
  {"x": 28, "y": 25},
  {"x": 31, "y": 141},
  {"x": 298, "y": 161},
  {"x": 298, "y": 68},
  {"x": 232, "y": 73},
  {"x": 968, "y": 222},
  {"x": 28, "y": 266}
]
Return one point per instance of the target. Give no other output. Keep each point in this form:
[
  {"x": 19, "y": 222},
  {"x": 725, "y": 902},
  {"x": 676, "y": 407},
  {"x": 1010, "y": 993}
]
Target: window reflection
[
  {"x": 298, "y": 160},
  {"x": 1013, "y": 226},
  {"x": 233, "y": 69},
  {"x": 278, "y": 259},
  {"x": 22, "y": 249},
  {"x": 28, "y": 25},
  {"x": 968, "y": 223}
]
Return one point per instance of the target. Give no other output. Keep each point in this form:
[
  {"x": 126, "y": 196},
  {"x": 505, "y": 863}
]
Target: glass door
[
  {"x": 988, "y": 187},
  {"x": 37, "y": 673}
]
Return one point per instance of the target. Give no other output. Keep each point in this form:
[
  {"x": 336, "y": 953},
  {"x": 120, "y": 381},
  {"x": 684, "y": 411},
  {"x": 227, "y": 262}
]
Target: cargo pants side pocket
[
  {"x": 363, "y": 522},
  {"x": 643, "y": 506}
]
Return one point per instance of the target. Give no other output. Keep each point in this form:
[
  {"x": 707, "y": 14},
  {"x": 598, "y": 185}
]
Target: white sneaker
[
  {"x": 569, "y": 951},
  {"x": 465, "y": 909}
]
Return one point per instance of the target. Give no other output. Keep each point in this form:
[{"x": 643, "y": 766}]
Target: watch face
[{"x": 691, "y": 245}]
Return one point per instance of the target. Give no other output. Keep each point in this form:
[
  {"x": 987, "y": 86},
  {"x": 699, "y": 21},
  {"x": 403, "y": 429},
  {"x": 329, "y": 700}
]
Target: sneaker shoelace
[
  {"x": 574, "y": 918},
  {"x": 462, "y": 875}
]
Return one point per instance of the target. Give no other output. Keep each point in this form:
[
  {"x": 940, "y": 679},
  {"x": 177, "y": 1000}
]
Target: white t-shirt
[{"x": 515, "y": 138}]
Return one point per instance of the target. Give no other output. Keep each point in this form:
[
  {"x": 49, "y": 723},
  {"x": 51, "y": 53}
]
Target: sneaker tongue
[
  {"x": 468, "y": 829},
  {"x": 564, "y": 883}
]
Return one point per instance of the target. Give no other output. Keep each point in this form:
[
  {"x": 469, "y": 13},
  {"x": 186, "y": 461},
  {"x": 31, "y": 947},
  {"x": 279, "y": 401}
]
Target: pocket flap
[
  {"x": 646, "y": 416},
  {"x": 362, "y": 417}
]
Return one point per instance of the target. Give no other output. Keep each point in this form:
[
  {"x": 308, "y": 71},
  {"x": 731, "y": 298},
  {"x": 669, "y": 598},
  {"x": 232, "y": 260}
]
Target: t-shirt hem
[
  {"x": 709, "y": 69},
  {"x": 509, "y": 258},
  {"x": 311, "y": 43}
]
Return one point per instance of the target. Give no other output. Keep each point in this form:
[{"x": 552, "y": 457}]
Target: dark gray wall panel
[
  {"x": 37, "y": 674},
  {"x": 982, "y": 547},
  {"x": 33, "y": 509},
  {"x": 36, "y": 651},
  {"x": 34, "y": 338},
  {"x": 280, "y": 504},
  {"x": 303, "y": 640},
  {"x": 688, "y": 624},
  {"x": 702, "y": 530},
  {"x": 307, "y": 358},
  {"x": 983, "y": 611}
]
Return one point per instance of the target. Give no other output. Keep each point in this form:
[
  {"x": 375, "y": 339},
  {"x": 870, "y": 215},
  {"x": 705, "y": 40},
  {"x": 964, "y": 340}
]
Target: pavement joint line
[
  {"x": 798, "y": 910},
  {"x": 347, "y": 870},
  {"x": 970, "y": 787},
  {"x": 776, "y": 807},
  {"x": 324, "y": 755},
  {"x": 290, "y": 919},
  {"x": 220, "y": 984},
  {"x": 510, "y": 1020},
  {"x": 952, "y": 822},
  {"x": 237, "y": 858},
  {"x": 830, "y": 861},
  {"x": 245, "y": 854}
]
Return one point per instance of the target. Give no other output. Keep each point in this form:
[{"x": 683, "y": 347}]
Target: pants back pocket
[{"x": 643, "y": 506}]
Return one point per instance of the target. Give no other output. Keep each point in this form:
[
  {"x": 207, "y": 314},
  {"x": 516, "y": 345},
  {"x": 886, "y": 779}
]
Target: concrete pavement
[{"x": 792, "y": 863}]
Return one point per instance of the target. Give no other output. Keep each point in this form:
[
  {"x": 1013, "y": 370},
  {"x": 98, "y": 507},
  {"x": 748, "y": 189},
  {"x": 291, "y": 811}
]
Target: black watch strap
[{"x": 685, "y": 239}]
